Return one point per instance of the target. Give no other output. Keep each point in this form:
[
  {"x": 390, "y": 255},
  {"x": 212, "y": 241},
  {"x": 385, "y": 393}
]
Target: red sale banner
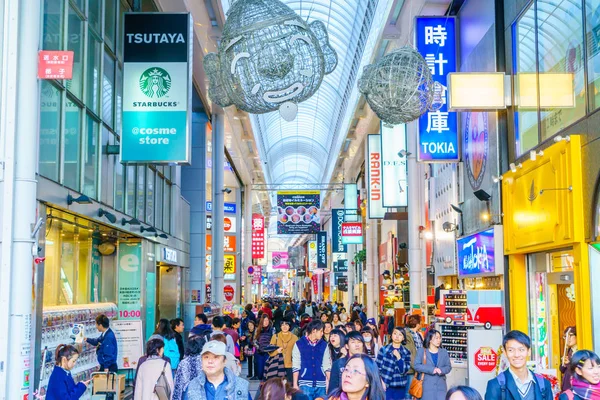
[{"x": 258, "y": 236}]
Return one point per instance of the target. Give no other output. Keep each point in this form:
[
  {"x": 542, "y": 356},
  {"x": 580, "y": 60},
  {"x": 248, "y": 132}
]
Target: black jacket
[
  {"x": 179, "y": 340},
  {"x": 336, "y": 374},
  {"x": 494, "y": 391}
]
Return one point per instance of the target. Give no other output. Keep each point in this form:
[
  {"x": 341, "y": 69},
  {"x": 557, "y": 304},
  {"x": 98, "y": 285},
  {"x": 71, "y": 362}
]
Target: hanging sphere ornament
[
  {"x": 399, "y": 87},
  {"x": 269, "y": 59}
]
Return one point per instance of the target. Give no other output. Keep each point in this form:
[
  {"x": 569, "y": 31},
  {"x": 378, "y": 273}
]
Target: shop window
[
  {"x": 150, "y": 196},
  {"x": 53, "y": 24},
  {"x": 560, "y": 50},
  {"x": 119, "y": 183},
  {"x": 108, "y": 89},
  {"x": 110, "y": 22},
  {"x": 167, "y": 208},
  {"x": 118, "y": 99},
  {"x": 75, "y": 43},
  {"x": 71, "y": 140},
  {"x": 93, "y": 72},
  {"x": 95, "y": 15},
  {"x": 90, "y": 159},
  {"x": 592, "y": 30},
  {"x": 140, "y": 211},
  {"x": 80, "y": 4},
  {"x": 159, "y": 202},
  {"x": 50, "y": 110},
  {"x": 130, "y": 190}
]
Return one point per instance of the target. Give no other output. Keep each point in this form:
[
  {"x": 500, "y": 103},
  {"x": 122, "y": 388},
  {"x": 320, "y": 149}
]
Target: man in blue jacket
[
  {"x": 106, "y": 345},
  {"x": 518, "y": 382}
]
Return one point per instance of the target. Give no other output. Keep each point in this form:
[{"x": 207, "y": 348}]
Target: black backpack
[{"x": 538, "y": 378}]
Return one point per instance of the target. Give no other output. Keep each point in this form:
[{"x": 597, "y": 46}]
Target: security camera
[
  {"x": 226, "y": 190},
  {"x": 404, "y": 153},
  {"x": 449, "y": 227}
]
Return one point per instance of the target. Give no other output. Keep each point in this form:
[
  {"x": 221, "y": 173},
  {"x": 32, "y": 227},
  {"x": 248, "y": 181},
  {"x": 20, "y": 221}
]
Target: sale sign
[
  {"x": 55, "y": 64},
  {"x": 485, "y": 359},
  {"x": 258, "y": 236},
  {"x": 229, "y": 292}
]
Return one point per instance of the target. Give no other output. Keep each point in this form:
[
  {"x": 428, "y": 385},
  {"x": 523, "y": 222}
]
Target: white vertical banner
[
  {"x": 393, "y": 165},
  {"x": 312, "y": 255},
  {"x": 374, "y": 180}
]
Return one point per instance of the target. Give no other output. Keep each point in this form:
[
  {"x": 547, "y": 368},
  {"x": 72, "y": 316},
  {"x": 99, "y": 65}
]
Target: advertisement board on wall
[
  {"x": 280, "y": 260},
  {"x": 337, "y": 219},
  {"x": 322, "y": 250},
  {"x": 230, "y": 225},
  {"x": 393, "y": 166},
  {"x": 228, "y": 208},
  {"x": 374, "y": 180},
  {"x": 438, "y": 130},
  {"x": 340, "y": 266},
  {"x": 481, "y": 254},
  {"x": 298, "y": 212},
  {"x": 312, "y": 255},
  {"x": 129, "y": 292},
  {"x": 157, "y": 54}
]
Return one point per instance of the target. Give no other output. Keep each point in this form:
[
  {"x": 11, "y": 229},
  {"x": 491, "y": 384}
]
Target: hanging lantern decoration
[
  {"x": 399, "y": 87},
  {"x": 269, "y": 59}
]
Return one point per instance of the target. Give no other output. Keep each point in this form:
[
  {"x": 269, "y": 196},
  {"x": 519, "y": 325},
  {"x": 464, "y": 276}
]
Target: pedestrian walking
[
  {"x": 434, "y": 362},
  {"x": 518, "y": 382},
  {"x": 286, "y": 341},
  {"x": 249, "y": 349},
  {"x": 190, "y": 367},
  {"x": 414, "y": 341},
  {"x": 178, "y": 327},
  {"x": 164, "y": 332},
  {"x": 370, "y": 342},
  {"x": 218, "y": 326},
  {"x": 570, "y": 338},
  {"x": 585, "y": 370},
  {"x": 360, "y": 380},
  {"x": 355, "y": 344},
  {"x": 394, "y": 362},
  {"x": 106, "y": 345},
  {"x": 312, "y": 362},
  {"x": 337, "y": 344},
  {"x": 262, "y": 339},
  {"x": 61, "y": 385},
  {"x": 149, "y": 372},
  {"x": 279, "y": 389}
]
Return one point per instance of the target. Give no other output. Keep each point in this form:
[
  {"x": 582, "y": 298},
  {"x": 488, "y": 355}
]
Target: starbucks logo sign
[{"x": 155, "y": 82}]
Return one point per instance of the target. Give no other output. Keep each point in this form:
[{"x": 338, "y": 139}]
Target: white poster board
[
  {"x": 129, "y": 342},
  {"x": 482, "y": 351}
]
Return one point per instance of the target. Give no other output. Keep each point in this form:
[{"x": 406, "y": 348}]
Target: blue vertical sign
[{"x": 438, "y": 130}]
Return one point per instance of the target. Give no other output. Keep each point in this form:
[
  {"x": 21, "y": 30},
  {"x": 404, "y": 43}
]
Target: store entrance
[
  {"x": 168, "y": 288},
  {"x": 551, "y": 306}
]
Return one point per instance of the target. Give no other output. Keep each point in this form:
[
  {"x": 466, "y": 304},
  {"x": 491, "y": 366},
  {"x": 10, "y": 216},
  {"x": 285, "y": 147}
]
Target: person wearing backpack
[
  {"x": 585, "y": 370},
  {"x": 518, "y": 382},
  {"x": 154, "y": 378}
]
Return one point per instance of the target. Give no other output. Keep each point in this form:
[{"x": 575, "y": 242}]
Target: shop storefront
[
  {"x": 170, "y": 282},
  {"x": 544, "y": 237}
]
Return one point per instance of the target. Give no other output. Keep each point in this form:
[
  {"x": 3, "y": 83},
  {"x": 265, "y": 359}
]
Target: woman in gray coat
[{"x": 435, "y": 363}]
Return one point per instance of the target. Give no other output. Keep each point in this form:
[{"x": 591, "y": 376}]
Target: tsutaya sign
[
  {"x": 438, "y": 130},
  {"x": 157, "y": 72},
  {"x": 374, "y": 180},
  {"x": 481, "y": 254}
]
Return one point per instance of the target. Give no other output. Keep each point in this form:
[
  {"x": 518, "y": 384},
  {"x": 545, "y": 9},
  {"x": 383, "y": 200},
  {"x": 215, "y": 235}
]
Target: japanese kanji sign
[
  {"x": 258, "y": 236},
  {"x": 438, "y": 130},
  {"x": 229, "y": 243},
  {"x": 352, "y": 233},
  {"x": 55, "y": 64},
  {"x": 229, "y": 264}
]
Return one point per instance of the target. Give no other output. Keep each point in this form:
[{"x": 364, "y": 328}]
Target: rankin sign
[{"x": 375, "y": 198}]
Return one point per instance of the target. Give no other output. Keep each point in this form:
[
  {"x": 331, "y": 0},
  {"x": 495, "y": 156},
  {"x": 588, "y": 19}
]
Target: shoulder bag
[
  {"x": 161, "y": 387},
  {"x": 416, "y": 386}
]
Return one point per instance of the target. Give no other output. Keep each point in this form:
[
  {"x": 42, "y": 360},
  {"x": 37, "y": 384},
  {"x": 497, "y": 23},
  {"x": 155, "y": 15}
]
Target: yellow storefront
[{"x": 544, "y": 238}]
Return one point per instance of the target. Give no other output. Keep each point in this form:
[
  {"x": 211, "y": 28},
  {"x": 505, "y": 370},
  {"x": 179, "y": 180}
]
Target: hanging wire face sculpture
[
  {"x": 399, "y": 87},
  {"x": 269, "y": 59}
]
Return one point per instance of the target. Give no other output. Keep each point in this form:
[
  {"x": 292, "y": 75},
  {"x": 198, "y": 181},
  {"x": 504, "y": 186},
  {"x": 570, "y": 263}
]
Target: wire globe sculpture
[
  {"x": 399, "y": 87},
  {"x": 269, "y": 59}
]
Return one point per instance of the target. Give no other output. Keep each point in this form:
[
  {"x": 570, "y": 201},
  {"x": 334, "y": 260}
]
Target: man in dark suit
[
  {"x": 518, "y": 382},
  {"x": 106, "y": 345}
]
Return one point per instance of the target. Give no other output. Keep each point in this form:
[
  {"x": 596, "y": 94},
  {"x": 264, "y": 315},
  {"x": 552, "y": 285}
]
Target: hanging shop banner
[
  {"x": 298, "y": 212},
  {"x": 337, "y": 219},
  {"x": 229, "y": 264},
  {"x": 340, "y": 266},
  {"x": 229, "y": 224},
  {"x": 438, "y": 130},
  {"x": 481, "y": 254},
  {"x": 257, "y": 275},
  {"x": 280, "y": 260},
  {"x": 229, "y": 243},
  {"x": 351, "y": 205},
  {"x": 228, "y": 208},
  {"x": 258, "y": 236},
  {"x": 130, "y": 346},
  {"x": 352, "y": 232},
  {"x": 296, "y": 256},
  {"x": 322, "y": 250},
  {"x": 374, "y": 181},
  {"x": 342, "y": 283},
  {"x": 129, "y": 280},
  {"x": 315, "y": 283},
  {"x": 393, "y": 166},
  {"x": 209, "y": 223},
  {"x": 157, "y": 88},
  {"x": 312, "y": 255}
]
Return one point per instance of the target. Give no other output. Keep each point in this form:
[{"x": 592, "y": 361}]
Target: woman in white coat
[{"x": 149, "y": 372}]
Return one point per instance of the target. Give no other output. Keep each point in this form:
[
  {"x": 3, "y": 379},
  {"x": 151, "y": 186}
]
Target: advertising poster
[
  {"x": 129, "y": 342},
  {"x": 394, "y": 174},
  {"x": 298, "y": 212},
  {"x": 337, "y": 219},
  {"x": 374, "y": 180},
  {"x": 322, "y": 250},
  {"x": 157, "y": 88},
  {"x": 280, "y": 260},
  {"x": 438, "y": 130},
  {"x": 129, "y": 280},
  {"x": 352, "y": 232},
  {"x": 481, "y": 254},
  {"x": 312, "y": 255}
]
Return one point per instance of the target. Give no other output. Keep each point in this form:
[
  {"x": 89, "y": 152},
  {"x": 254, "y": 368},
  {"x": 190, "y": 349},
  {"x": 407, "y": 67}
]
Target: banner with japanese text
[
  {"x": 298, "y": 212},
  {"x": 129, "y": 280},
  {"x": 280, "y": 260},
  {"x": 258, "y": 236},
  {"x": 322, "y": 250},
  {"x": 438, "y": 130}
]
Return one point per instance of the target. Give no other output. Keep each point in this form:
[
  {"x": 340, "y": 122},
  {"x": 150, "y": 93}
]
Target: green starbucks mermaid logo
[{"x": 155, "y": 82}]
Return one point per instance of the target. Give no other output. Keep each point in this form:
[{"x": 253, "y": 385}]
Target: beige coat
[{"x": 147, "y": 376}]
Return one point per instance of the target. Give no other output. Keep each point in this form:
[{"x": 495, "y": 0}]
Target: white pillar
[
  {"x": 372, "y": 271},
  {"x": 415, "y": 220},
  {"x": 218, "y": 232},
  {"x": 19, "y": 116},
  {"x": 247, "y": 243}
]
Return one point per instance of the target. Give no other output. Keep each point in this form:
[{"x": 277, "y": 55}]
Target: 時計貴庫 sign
[
  {"x": 157, "y": 88},
  {"x": 438, "y": 130}
]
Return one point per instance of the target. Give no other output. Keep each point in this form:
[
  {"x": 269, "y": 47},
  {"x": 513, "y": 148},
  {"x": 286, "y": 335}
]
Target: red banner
[
  {"x": 258, "y": 236},
  {"x": 55, "y": 64},
  {"x": 257, "y": 275},
  {"x": 315, "y": 282}
]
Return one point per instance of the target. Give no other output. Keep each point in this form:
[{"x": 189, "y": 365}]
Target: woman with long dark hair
[
  {"x": 262, "y": 339},
  {"x": 585, "y": 384},
  {"x": 370, "y": 342},
  {"x": 279, "y": 389},
  {"x": 434, "y": 362},
  {"x": 164, "y": 331},
  {"x": 190, "y": 367},
  {"x": 393, "y": 361},
  {"x": 360, "y": 380},
  {"x": 463, "y": 393},
  {"x": 249, "y": 348},
  {"x": 337, "y": 344}
]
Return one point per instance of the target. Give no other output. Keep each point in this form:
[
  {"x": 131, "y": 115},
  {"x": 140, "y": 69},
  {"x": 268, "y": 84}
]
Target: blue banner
[
  {"x": 476, "y": 254},
  {"x": 438, "y": 130},
  {"x": 337, "y": 216},
  {"x": 230, "y": 208},
  {"x": 322, "y": 250}
]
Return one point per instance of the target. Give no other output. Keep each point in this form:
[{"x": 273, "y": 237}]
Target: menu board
[{"x": 298, "y": 212}]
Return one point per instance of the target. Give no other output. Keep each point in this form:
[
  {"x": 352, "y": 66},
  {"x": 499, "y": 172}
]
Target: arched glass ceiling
[{"x": 297, "y": 151}]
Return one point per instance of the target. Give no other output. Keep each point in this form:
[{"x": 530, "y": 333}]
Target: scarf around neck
[{"x": 585, "y": 390}]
